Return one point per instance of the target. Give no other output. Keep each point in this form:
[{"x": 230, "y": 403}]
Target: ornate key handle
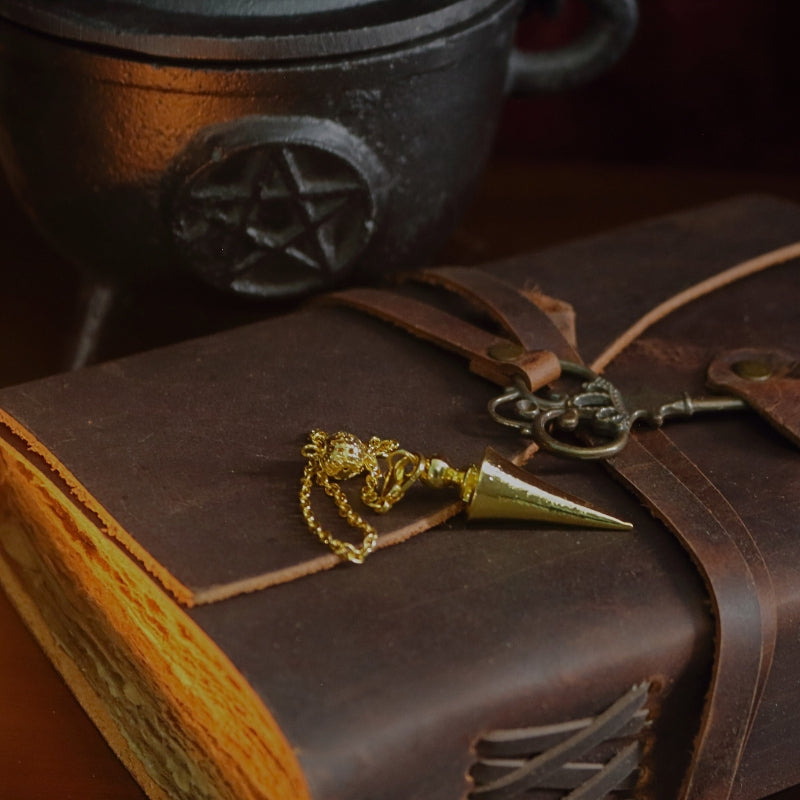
[{"x": 596, "y": 408}]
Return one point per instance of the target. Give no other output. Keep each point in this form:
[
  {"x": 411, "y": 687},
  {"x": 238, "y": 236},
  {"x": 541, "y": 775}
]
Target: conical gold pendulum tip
[{"x": 499, "y": 489}]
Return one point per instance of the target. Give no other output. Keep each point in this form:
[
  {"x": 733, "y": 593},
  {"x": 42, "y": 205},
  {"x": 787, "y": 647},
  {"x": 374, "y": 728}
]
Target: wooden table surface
[{"x": 48, "y": 747}]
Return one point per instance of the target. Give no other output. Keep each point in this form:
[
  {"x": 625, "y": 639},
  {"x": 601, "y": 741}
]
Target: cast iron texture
[
  {"x": 269, "y": 149},
  {"x": 106, "y": 151},
  {"x": 231, "y": 30}
]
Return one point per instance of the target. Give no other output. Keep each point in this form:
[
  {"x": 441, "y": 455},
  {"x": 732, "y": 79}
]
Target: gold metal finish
[
  {"x": 752, "y": 369},
  {"x": 505, "y": 351},
  {"x": 340, "y": 457},
  {"x": 495, "y": 489},
  {"x": 505, "y": 491}
]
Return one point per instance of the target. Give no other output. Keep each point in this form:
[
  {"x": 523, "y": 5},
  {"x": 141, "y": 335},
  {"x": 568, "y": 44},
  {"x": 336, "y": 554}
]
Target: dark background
[
  {"x": 705, "y": 105},
  {"x": 706, "y": 83}
]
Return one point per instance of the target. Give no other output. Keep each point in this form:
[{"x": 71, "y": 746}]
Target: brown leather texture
[
  {"x": 511, "y": 308},
  {"x": 741, "y": 593},
  {"x": 716, "y": 538},
  {"x": 767, "y": 379},
  {"x": 740, "y": 522},
  {"x": 498, "y": 359},
  {"x": 384, "y": 676}
]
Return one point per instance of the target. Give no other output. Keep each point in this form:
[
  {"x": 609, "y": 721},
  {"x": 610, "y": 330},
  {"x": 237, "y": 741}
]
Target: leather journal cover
[{"x": 152, "y": 538}]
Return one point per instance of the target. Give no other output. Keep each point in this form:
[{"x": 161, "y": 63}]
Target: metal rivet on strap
[
  {"x": 752, "y": 369},
  {"x": 505, "y": 351}
]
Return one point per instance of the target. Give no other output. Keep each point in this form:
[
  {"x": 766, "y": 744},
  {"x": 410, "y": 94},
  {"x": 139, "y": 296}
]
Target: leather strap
[
  {"x": 744, "y": 606},
  {"x": 550, "y": 327},
  {"x": 675, "y": 490},
  {"x": 493, "y": 357},
  {"x": 765, "y": 380}
]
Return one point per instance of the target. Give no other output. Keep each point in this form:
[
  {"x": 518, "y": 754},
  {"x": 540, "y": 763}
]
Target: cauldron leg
[{"x": 100, "y": 299}]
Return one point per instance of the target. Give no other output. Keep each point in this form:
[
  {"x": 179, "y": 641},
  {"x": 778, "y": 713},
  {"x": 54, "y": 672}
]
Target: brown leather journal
[{"x": 152, "y": 537}]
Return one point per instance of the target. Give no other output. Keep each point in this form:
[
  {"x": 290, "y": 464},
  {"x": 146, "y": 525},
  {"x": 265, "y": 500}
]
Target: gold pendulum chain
[{"x": 344, "y": 550}]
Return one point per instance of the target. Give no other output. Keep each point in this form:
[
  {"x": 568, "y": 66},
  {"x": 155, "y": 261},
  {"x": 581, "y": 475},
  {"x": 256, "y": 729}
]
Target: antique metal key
[{"x": 597, "y": 410}]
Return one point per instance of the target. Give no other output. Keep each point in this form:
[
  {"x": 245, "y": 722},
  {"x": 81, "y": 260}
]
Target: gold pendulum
[{"x": 494, "y": 489}]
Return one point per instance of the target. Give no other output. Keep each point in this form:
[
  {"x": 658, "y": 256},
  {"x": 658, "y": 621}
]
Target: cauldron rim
[{"x": 233, "y": 31}]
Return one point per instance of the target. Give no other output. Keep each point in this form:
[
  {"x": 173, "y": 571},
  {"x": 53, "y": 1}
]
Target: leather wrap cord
[
  {"x": 557, "y": 753},
  {"x": 664, "y": 478}
]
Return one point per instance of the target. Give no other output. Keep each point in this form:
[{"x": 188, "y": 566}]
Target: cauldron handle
[{"x": 608, "y": 35}]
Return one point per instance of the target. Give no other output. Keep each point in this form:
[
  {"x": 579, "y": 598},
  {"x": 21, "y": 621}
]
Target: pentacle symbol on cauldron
[{"x": 273, "y": 219}]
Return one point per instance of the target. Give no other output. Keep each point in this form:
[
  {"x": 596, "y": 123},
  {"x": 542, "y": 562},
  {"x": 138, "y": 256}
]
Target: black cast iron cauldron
[{"x": 271, "y": 148}]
